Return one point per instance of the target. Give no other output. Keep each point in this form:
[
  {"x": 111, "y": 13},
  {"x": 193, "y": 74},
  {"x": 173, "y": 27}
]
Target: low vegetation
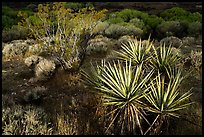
[{"x": 72, "y": 69}]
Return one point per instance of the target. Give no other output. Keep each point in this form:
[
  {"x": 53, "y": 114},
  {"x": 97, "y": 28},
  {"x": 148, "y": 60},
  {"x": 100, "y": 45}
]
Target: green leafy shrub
[
  {"x": 152, "y": 21},
  {"x": 115, "y": 20},
  {"x": 196, "y": 16},
  {"x": 7, "y": 22},
  {"x": 173, "y": 13},
  {"x": 179, "y": 14},
  {"x": 128, "y": 14},
  {"x": 15, "y": 33},
  {"x": 195, "y": 29},
  {"x": 32, "y": 7},
  {"x": 101, "y": 27},
  {"x": 138, "y": 23},
  {"x": 140, "y": 19},
  {"x": 78, "y": 5},
  {"x": 7, "y": 11},
  {"x": 169, "y": 28},
  {"x": 73, "y": 5},
  {"x": 116, "y": 30},
  {"x": 62, "y": 32},
  {"x": 9, "y": 17}
]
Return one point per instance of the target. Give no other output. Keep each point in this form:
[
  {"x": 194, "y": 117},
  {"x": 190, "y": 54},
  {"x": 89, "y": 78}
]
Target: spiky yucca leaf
[
  {"x": 135, "y": 50},
  {"x": 122, "y": 88},
  {"x": 164, "y": 59},
  {"x": 91, "y": 79},
  {"x": 165, "y": 98},
  {"x": 123, "y": 83}
]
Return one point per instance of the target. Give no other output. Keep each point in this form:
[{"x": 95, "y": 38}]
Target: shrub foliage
[{"x": 61, "y": 31}]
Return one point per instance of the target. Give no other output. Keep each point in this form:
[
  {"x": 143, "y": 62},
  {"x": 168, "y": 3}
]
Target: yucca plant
[
  {"x": 91, "y": 78},
  {"x": 165, "y": 99},
  {"x": 123, "y": 87},
  {"x": 135, "y": 50},
  {"x": 163, "y": 59}
]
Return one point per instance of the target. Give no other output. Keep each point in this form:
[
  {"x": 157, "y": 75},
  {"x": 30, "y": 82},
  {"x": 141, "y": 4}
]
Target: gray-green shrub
[
  {"x": 14, "y": 33},
  {"x": 169, "y": 28},
  {"x": 195, "y": 28},
  {"x": 137, "y": 22},
  {"x": 116, "y": 30}
]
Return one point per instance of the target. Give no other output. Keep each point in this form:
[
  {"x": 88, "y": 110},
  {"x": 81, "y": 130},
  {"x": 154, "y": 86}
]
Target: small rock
[{"x": 32, "y": 80}]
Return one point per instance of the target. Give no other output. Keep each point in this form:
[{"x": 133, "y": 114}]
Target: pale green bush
[
  {"x": 116, "y": 30},
  {"x": 14, "y": 33},
  {"x": 137, "y": 22},
  {"x": 101, "y": 27},
  {"x": 195, "y": 28},
  {"x": 169, "y": 28}
]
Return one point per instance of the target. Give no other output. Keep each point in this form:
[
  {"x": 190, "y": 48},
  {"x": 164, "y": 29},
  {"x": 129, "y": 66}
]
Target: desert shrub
[
  {"x": 175, "y": 12},
  {"x": 196, "y": 16},
  {"x": 128, "y": 14},
  {"x": 32, "y": 7},
  {"x": 188, "y": 41},
  {"x": 179, "y": 14},
  {"x": 101, "y": 27},
  {"x": 14, "y": 33},
  {"x": 196, "y": 59},
  {"x": 169, "y": 28},
  {"x": 138, "y": 23},
  {"x": 7, "y": 22},
  {"x": 77, "y": 5},
  {"x": 34, "y": 95},
  {"x": 9, "y": 17},
  {"x": 115, "y": 20},
  {"x": 173, "y": 41},
  {"x": 124, "y": 39},
  {"x": 98, "y": 45},
  {"x": 28, "y": 120},
  {"x": 7, "y": 11},
  {"x": 14, "y": 49},
  {"x": 61, "y": 31},
  {"x": 195, "y": 28},
  {"x": 116, "y": 30},
  {"x": 152, "y": 21},
  {"x": 73, "y": 5}
]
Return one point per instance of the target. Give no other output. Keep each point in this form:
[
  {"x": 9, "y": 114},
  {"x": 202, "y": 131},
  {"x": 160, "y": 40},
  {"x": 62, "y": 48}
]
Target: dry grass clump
[
  {"x": 66, "y": 125},
  {"x": 28, "y": 120},
  {"x": 196, "y": 59}
]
